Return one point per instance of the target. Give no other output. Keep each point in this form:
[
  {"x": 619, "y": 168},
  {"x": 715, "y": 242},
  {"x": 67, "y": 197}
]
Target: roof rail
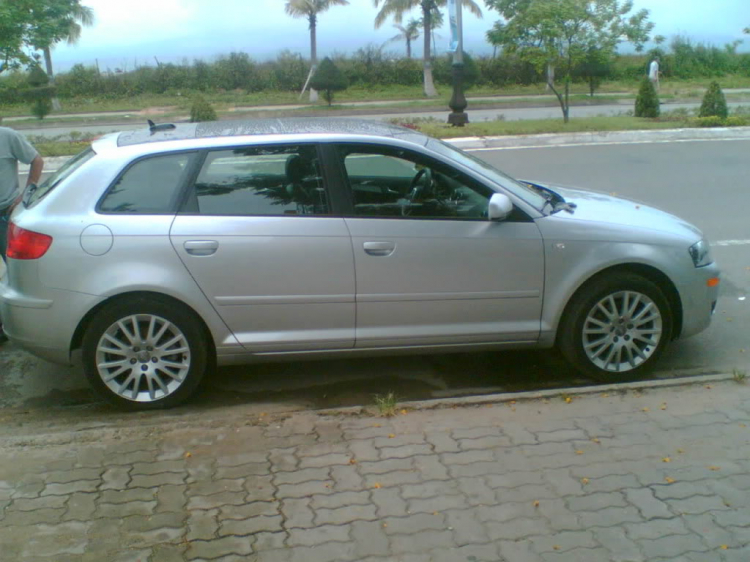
[{"x": 154, "y": 128}]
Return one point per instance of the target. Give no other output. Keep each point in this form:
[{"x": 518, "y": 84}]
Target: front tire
[
  {"x": 616, "y": 327},
  {"x": 141, "y": 353}
]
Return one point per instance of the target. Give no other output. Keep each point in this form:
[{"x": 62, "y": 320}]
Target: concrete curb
[
  {"x": 602, "y": 137},
  {"x": 466, "y": 401}
]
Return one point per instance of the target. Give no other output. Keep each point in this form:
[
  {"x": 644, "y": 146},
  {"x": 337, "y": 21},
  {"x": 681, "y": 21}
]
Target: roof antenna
[{"x": 154, "y": 128}]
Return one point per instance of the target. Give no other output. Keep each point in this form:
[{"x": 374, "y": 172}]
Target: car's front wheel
[
  {"x": 142, "y": 353},
  {"x": 615, "y": 327}
]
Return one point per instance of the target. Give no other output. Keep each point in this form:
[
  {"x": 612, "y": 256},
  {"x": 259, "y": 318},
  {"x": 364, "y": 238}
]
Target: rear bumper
[
  {"x": 699, "y": 301},
  {"x": 43, "y": 326}
]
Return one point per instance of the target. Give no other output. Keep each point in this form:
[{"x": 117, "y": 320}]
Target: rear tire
[
  {"x": 616, "y": 327},
  {"x": 142, "y": 353}
]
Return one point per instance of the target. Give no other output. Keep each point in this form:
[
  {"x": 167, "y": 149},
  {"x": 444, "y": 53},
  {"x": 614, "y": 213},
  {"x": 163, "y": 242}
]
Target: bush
[
  {"x": 201, "y": 110},
  {"x": 328, "y": 79},
  {"x": 40, "y": 93},
  {"x": 647, "y": 101},
  {"x": 737, "y": 121},
  {"x": 710, "y": 121},
  {"x": 714, "y": 102}
]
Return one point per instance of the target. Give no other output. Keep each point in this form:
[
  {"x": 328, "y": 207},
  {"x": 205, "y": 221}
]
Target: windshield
[
  {"x": 33, "y": 195},
  {"x": 531, "y": 196}
]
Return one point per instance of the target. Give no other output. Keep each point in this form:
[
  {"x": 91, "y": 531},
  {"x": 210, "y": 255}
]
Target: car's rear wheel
[
  {"x": 141, "y": 353},
  {"x": 616, "y": 327}
]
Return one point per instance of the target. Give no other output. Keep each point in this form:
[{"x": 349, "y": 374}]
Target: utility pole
[{"x": 458, "y": 104}]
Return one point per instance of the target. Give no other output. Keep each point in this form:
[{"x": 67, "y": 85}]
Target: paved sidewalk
[{"x": 652, "y": 475}]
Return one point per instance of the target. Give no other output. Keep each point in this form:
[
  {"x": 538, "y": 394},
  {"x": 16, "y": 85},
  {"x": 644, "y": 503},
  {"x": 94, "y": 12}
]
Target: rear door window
[
  {"x": 149, "y": 186},
  {"x": 279, "y": 180}
]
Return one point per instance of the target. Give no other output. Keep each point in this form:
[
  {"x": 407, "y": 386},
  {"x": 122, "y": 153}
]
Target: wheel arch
[
  {"x": 77, "y": 339},
  {"x": 656, "y": 276}
]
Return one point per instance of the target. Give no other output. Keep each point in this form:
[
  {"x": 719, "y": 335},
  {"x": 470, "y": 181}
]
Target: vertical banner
[{"x": 453, "y": 21}]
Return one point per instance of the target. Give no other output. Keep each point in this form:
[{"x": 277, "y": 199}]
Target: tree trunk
[
  {"x": 313, "y": 53},
  {"x": 408, "y": 48},
  {"x": 429, "y": 85},
  {"x": 560, "y": 99},
  {"x": 566, "y": 107},
  {"x": 48, "y": 64}
]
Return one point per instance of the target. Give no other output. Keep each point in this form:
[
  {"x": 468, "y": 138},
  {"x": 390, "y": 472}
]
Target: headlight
[{"x": 701, "y": 253}]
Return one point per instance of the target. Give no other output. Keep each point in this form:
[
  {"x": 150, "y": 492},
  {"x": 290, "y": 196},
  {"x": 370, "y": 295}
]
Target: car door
[
  {"x": 258, "y": 234},
  {"x": 431, "y": 269}
]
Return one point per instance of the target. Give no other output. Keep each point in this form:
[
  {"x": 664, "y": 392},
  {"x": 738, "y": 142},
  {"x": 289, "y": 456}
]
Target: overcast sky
[{"x": 133, "y": 32}]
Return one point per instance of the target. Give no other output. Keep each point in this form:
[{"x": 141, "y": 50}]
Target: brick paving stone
[
  {"x": 202, "y": 525},
  {"x": 564, "y": 541},
  {"x": 516, "y": 529},
  {"x": 250, "y": 526},
  {"x": 476, "y": 432},
  {"x": 242, "y": 470},
  {"x": 621, "y": 548},
  {"x": 515, "y": 479},
  {"x": 269, "y": 541},
  {"x": 220, "y": 547},
  {"x": 328, "y": 552},
  {"x": 672, "y": 546},
  {"x": 506, "y": 512},
  {"x": 283, "y": 460},
  {"x": 115, "y": 478},
  {"x": 247, "y": 510},
  {"x": 712, "y": 535},
  {"x": 430, "y": 467},
  {"x": 396, "y": 478},
  {"x": 32, "y": 504},
  {"x": 680, "y": 490},
  {"x": 558, "y": 515},
  {"x": 647, "y": 504},
  {"x": 577, "y": 555},
  {"x": 413, "y": 523},
  {"x": 257, "y": 457},
  {"x": 696, "y": 505},
  {"x": 560, "y": 435},
  {"x": 436, "y": 504},
  {"x": 422, "y": 541},
  {"x": 328, "y": 460},
  {"x": 385, "y": 466},
  {"x": 609, "y": 517},
  {"x": 466, "y": 457},
  {"x": 398, "y": 441},
  {"x": 475, "y": 553},
  {"x": 304, "y": 490},
  {"x": 318, "y": 535},
  {"x": 405, "y": 451},
  {"x": 210, "y": 487},
  {"x": 80, "y": 507},
  {"x": 347, "y": 514},
  {"x": 363, "y": 451},
  {"x": 171, "y": 498},
  {"x": 125, "y": 509},
  {"x": 518, "y": 551},
  {"x": 156, "y": 480},
  {"x": 518, "y": 434},
  {"x": 483, "y": 443},
  {"x": 389, "y": 502},
  {"x": 655, "y": 529},
  {"x": 369, "y": 538},
  {"x": 441, "y": 442},
  {"x": 475, "y": 490},
  {"x": 215, "y": 500},
  {"x": 126, "y": 496},
  {"x": 612, "y": 483},
  {"x": 297, "y": 513},
  {"x": 428, "y": 490},
  {"x": 340, "y": 500},
  {"x": 466, "y": 527},
  {"x": 596, "y": 501},
  {"x": 67, "y": 476},
  {"x": 738, "y": 518},
  {"x": 301, "y": 475}
]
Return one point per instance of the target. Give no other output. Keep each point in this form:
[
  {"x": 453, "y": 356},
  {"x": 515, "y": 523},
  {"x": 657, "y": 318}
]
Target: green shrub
[
  {"x": 647, "y": 101},
  {"x": 710, "y": 121},
  {"x": 201, "y": 110},
  {"x": 737, "y": 121},
  {"x": 39, "y": 92},
  {"x": 714, "y": 102},
  {"x": 328, "y": 79}
]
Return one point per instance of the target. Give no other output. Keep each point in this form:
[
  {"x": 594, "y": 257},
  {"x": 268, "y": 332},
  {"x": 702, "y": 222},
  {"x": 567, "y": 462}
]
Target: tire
[
  {"x": 615, "y": 327},
  {"x": 142, "y": 353}
]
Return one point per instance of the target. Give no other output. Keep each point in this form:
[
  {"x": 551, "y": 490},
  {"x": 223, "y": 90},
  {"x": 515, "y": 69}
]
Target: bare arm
[{"x": 35, "y": 172}]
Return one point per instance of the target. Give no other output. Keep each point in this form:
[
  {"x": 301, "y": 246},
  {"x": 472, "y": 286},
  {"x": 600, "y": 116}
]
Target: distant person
[
  {"x": 653, "y": 73},
  {"x": 14, "y": 148}
]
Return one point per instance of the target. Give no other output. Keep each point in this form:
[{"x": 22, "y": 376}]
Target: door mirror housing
[{"x": 500, "y": 207}]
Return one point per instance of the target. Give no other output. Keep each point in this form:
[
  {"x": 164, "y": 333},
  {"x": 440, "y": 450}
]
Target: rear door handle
[
  {"x": 201, "y": 247},
  {"x": 379, "y": 248}
]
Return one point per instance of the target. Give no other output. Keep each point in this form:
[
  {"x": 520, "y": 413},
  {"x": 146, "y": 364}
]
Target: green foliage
[
  {"x": 39, "y": 92},
  {"x": 647, "y": 100},
  {"x": 594, "y": 68},
  {"x": 201, "y": 110},
  {"x": 328, "y": 79},
  {"x": 561, "y": 33},
  {"x": 443, "y": 69},
  {"x": 15, "y": 18},
  {"x": 714, "y": 102}
]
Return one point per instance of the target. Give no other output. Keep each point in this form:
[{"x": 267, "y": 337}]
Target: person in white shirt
[{"x": 653, "y": 72}]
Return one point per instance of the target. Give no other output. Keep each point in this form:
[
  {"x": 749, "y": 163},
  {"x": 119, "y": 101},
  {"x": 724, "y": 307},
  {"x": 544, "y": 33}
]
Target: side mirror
[{"x": 500, "y": 207}]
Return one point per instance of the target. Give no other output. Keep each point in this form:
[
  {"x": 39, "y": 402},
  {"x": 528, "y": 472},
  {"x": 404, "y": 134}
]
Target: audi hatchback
[{"x": 164, "y": 252}]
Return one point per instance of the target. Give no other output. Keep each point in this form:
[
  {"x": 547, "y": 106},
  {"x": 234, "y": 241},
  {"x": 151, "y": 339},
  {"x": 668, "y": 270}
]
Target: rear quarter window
[
  {"x": 149, "y": 186},
  {"x": 34, "y": 195}
]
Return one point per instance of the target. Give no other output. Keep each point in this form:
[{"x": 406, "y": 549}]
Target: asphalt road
[
  {"x": 705, "y": 182},
  {"x": 475, "y": 115}
]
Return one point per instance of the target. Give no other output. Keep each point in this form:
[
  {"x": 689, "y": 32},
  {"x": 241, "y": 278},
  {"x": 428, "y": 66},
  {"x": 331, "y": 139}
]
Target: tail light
[{"x": 25, "y": 244}]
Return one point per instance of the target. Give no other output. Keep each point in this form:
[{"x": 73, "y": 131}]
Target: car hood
[{"x": 593, "y": 206}]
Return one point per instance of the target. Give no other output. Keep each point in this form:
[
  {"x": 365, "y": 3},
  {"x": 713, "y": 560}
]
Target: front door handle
[
  {"x": 379, "y": 248},
  {"x": 201, "y": 247}
]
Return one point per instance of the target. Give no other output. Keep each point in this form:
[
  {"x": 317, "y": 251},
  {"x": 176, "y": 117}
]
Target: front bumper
[{"x": 699, "y": 300}]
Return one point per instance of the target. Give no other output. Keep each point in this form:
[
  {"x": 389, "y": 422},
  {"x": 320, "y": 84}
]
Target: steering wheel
[{"x": 421, "y": 183}]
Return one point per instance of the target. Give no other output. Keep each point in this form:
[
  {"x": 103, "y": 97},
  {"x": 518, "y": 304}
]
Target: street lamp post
[{"x": 458, "y": 104}]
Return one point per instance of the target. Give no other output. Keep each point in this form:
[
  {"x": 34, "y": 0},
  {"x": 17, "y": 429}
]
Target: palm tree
[
  {"x": 397, "y": 9},
  {"x": 71, "y": 24},
  {"x": 310, "y": 9},
  {"x": 409, "y": 33}
]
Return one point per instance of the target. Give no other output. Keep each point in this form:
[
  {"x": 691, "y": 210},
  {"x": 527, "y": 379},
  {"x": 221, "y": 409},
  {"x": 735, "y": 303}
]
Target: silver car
[{"x": 164, "y": 252}]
